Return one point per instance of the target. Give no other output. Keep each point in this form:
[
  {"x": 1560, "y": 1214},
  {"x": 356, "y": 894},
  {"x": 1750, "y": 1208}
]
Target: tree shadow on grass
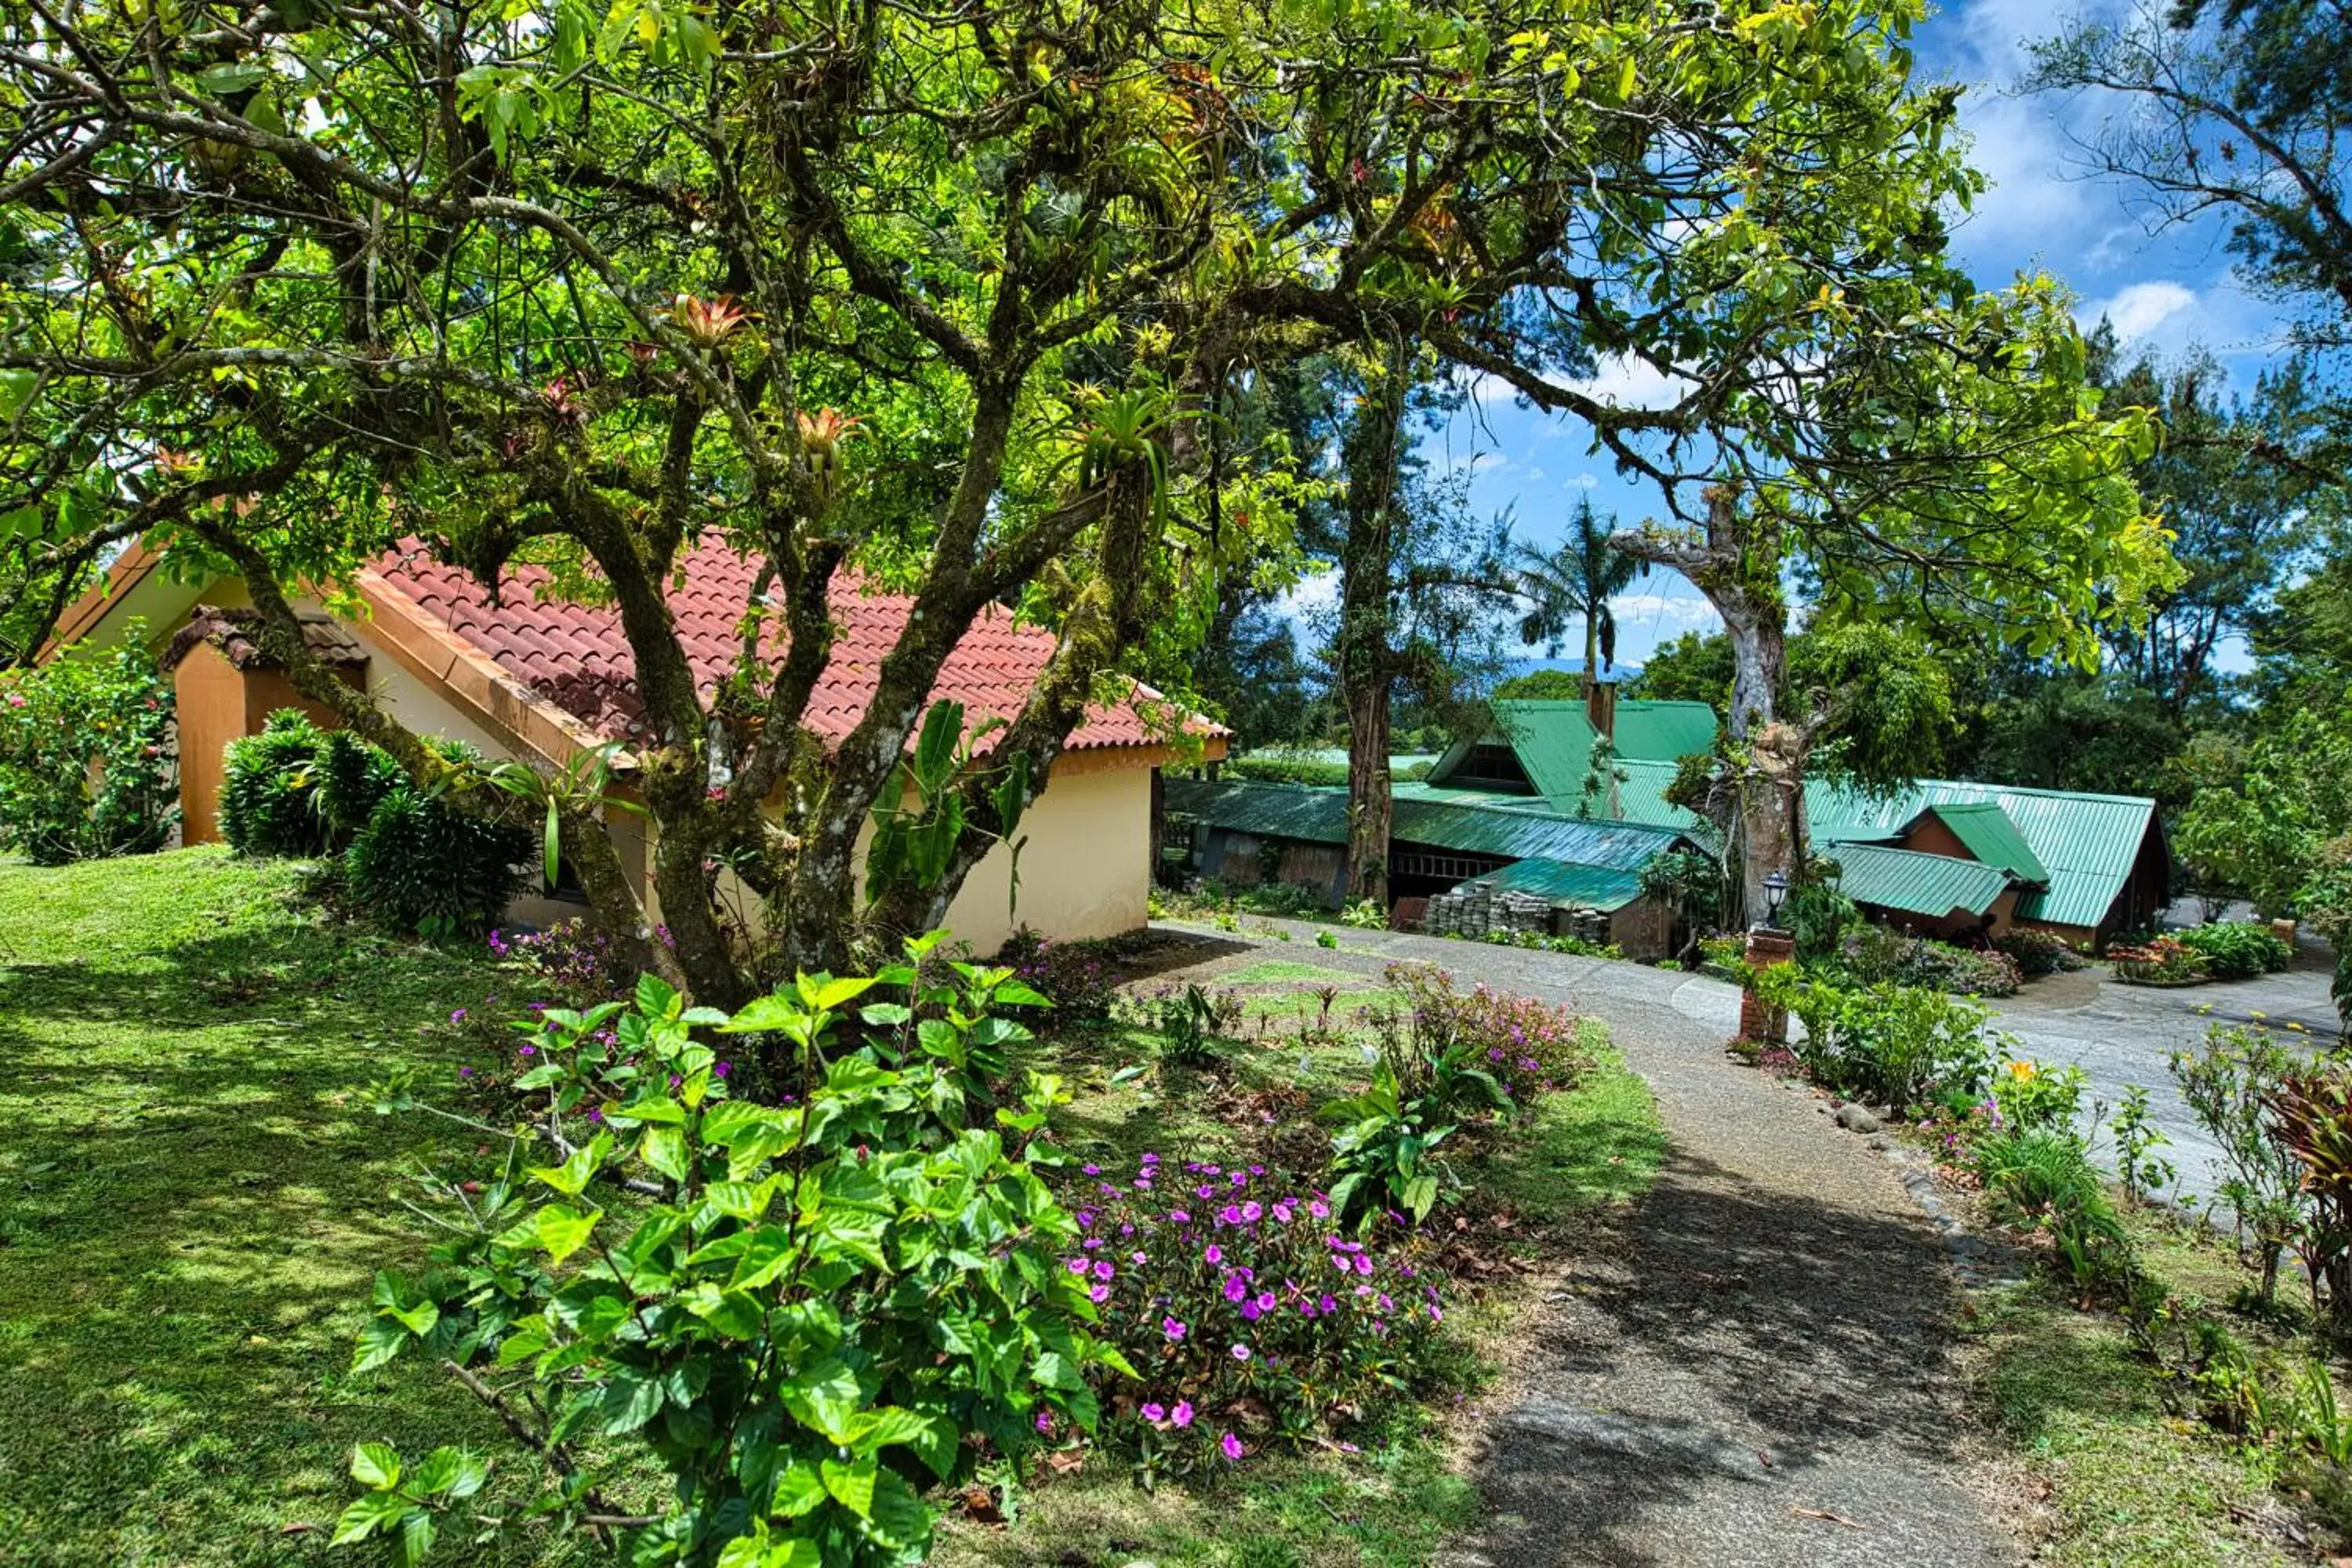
[{"x": 1744, "y": 1345}]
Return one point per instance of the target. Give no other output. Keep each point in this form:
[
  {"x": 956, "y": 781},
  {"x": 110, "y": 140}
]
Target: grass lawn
[
  {"x": 2129, "y": 1486},
  {"x": 197, "y": 1193},
  {"x": 193, "y": 1202}
]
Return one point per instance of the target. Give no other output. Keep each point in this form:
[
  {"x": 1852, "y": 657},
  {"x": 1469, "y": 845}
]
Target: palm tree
[{"x": 1575, "y": 581}]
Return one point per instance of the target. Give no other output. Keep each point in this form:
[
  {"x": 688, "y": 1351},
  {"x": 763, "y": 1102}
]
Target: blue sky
[{"x": 2165, "y": 291}]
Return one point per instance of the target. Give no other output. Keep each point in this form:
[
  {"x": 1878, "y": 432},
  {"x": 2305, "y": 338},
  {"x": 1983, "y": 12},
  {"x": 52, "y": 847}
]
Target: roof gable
[
  {"x": 1917, "y": 883},
  {"x": 1987, "y": 831}
]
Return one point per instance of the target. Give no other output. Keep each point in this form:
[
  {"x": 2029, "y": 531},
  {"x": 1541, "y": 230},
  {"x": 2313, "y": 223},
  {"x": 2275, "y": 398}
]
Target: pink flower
[
  {"x": 1098, "y": 1294},
  {"x": 1237, "y": 1287},
  {"x": 1155, "y": 1414},
  {"x": 1182, "y": 1415},
  {"x": 1075, "y": 1265},
  {"x": 1045, "y": 1420},
  {"x": 1231, "y": 1446},
  {"x": 1250, "y": 1213},
  {"x": 1213, "y": 1253},
  {"x": 1363, "y": 1264},
  {"x": 1104, "y": 1271},
  {"x": 1251, "y": 1312},
  {"x": 1320, "y": 1209},
  {"x": 1239, "y": 1352},
  {"x": 1174, "y": 1331}
]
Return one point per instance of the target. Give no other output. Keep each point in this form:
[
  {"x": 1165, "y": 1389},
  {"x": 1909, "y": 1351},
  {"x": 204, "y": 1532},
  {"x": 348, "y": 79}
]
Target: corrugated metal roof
[
  {"x": 1991, "y": 837},
  {"x": 1569, "y": 886},
  {"x": 2086, "y": 843},
  {"x": 1320, "y": 815},
  {"x": 1915, "y": 883},
  {"x": 1553, "y": 742}
]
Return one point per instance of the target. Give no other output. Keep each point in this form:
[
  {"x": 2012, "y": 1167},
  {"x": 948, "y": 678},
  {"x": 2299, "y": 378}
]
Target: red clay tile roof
[
  {"x": 232, "y": 632},
  {"x": 576, "y": 657}
]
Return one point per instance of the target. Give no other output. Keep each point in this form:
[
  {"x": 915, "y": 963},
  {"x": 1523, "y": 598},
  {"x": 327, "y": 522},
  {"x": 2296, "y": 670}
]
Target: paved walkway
[{"x": 1763, "y": 1341}]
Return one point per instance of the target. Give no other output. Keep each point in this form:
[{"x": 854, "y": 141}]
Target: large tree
[{"x": 952, "y": 296}]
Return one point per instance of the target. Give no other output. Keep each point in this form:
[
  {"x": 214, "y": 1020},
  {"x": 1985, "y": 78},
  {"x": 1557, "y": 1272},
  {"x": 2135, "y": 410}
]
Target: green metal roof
[
  {"x": 1990, "y": 836},
  {"x": 1553, "y": 742},
  {"x": 2086, "y": 844},
  {"x": 1320, "y": 817},
  {"x": 1567, "y": 886},
  {"x": 1905, "y": 880}
]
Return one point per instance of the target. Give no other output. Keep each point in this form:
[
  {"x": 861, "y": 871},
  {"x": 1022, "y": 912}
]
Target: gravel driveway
[
  {"x": 1754, "y": 1369},
  {"x": 2123, "y": 1036}
]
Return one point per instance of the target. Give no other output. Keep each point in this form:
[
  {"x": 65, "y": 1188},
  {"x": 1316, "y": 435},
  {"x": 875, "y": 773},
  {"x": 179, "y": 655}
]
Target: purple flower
[
  {"x": 528, "y": 1051},
  {"x": 464, "y": 1072},
  {"x": 1086, "y": 1219},
  {"x": 1175, "y": 1332},
  {"x": 1231, "y": 1214},
  {"x": 722, "y": 1069},
  {"x": 1363, "y": 1264},
  {"x": 1075, "y": 1265},
  {"x": 1091, "y": 1170},
  {"x": 1098, "y": 1294},
  {"x": 1045, "y": 1420},
  {"x": 1182, "y": 1415},
  {"x": 1236, "y": 1288},
  {"x": 1281, "y": 1212},
  {"x": 1213, "y": 1253},
  {"x": 1239, "y": 1352},
  {"x": 1320, "y": 1209},
  {"x": 458, "y": 1017},
  {"x": 1152, "y": 1159},
  {"x": 1251, "y": 1311},
  {"x": 1155, "y": 1414},
  {"x": 1231, "y": 1446},
  {"x": 1327, "y": 1305},
  {"x": 1266, "y": 1300},
  {"x": 1179, "y": 1216},
  {"x": 1104, "y": 1271},
  {"x": 1250, "y": 1213}
]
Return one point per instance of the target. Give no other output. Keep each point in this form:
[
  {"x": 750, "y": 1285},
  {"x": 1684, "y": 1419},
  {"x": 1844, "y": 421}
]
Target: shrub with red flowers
[
  {"x": 1246, "y": 1315},
  {"x": 1527, "y": 1046}
]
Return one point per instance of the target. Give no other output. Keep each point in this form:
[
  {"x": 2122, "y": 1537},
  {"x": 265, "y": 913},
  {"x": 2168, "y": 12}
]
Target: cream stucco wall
[{"x": 1085, "y": 870}]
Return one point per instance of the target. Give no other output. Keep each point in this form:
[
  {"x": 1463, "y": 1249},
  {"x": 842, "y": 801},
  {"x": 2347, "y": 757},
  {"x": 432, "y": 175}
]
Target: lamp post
[{"x": 1776, "y": 889}]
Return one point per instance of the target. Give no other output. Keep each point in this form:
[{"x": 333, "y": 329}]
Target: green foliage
[
  {"x": 85, "y": 757},
  {"x": 407, "y": 857},
  {"x": 1529, "y": 1048},
  {"x": 2036, "y": 953},
  {"x": 1287, "y": 767},
  {"x": 920, "y": 819},
  {"x": 1696, "y": 667},
  {"x": 2041, "y": 1177},
  {"x": 1575, "y": 581},
  {"x": 1191, "y": 1020},
  {"x": 2227, "y": 1083},
  {"x": 2263, "y": 812},
  {"x": 799, "y": 1314},
  {"x": 268, "y": 798},
  {"x": 2159, "y": 960},
  {"x": 2029, "y": 1096},
  {"x": 2142, "y": 1171},
  {"x": 1327, "y": 938},
  {"x": 1818, "y": 916},
  {"x": 2311, "y": 1118},
  {"x": 419, "y": 866},
  {"x": 1889, "y": 699},
  {"x": 2236, "y": 949},
  {"x": 1896, "y": 1045},
  {"x": 1541, "y": 686},
  {"x": 581, "y": 787},
  {"x": 1365, "y": 914},
  {"x": 1243, "y": 1304}
]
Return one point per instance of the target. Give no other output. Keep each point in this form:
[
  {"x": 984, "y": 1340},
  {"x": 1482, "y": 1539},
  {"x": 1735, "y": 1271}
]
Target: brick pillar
[{"x": 1757, "y": 1021}]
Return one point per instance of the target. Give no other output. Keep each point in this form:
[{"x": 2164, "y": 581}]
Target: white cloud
[
  {"x": 1309, "y": 597},
  {"x": 1628, "y": 383},
  {"x": 2138, "y": 309},
  {"x": 1677, "y": 611},
  {"x": 1588, "y": 480}
]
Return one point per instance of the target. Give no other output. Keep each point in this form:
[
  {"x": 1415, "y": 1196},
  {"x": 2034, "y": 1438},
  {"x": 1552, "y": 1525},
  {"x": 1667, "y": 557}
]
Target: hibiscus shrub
[
  {"x": 1245, "y": 1316},
  {"x": 86, "y": 757}
]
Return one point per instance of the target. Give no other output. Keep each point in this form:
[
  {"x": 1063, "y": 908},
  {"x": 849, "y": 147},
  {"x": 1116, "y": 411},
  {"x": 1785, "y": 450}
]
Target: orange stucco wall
[{"x": 217, "y": 703}]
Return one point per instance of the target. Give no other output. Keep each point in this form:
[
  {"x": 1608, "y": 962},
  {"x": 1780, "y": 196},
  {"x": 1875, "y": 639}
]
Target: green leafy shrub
[
  {"x": 1527, "y": 1046},
  {"x": 419, "y": 866},
  {"x": 2311, "y": 1118},
  {"x": 2227, "y": 1083},
  {"x": 2037, "y": 953},
  {"x": 1327, "y": 938},
  {"x": 1872, "y": 954},
  {"x": 2231, "y": 949},
  {"x": 799, "y": 1314},
  {"x": 269, "y": 799},
  {"x": 1365, "y": 914},
  {"x": 2143, "y": 1172},
  {"x": 1898, "y": 1044},
  {"x": 87, "y": 767},
  {"x": 408, "y": 858},
  {"x": 1081, "y": 979},
  {"x": 1190, "y": 1019},
  {"x": 2043, "y": 1178},
  {"x": 1242, "y": 1314},
  {"x": 2029, "y": 1096},
  {"x": 1817, "y": 917}
]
